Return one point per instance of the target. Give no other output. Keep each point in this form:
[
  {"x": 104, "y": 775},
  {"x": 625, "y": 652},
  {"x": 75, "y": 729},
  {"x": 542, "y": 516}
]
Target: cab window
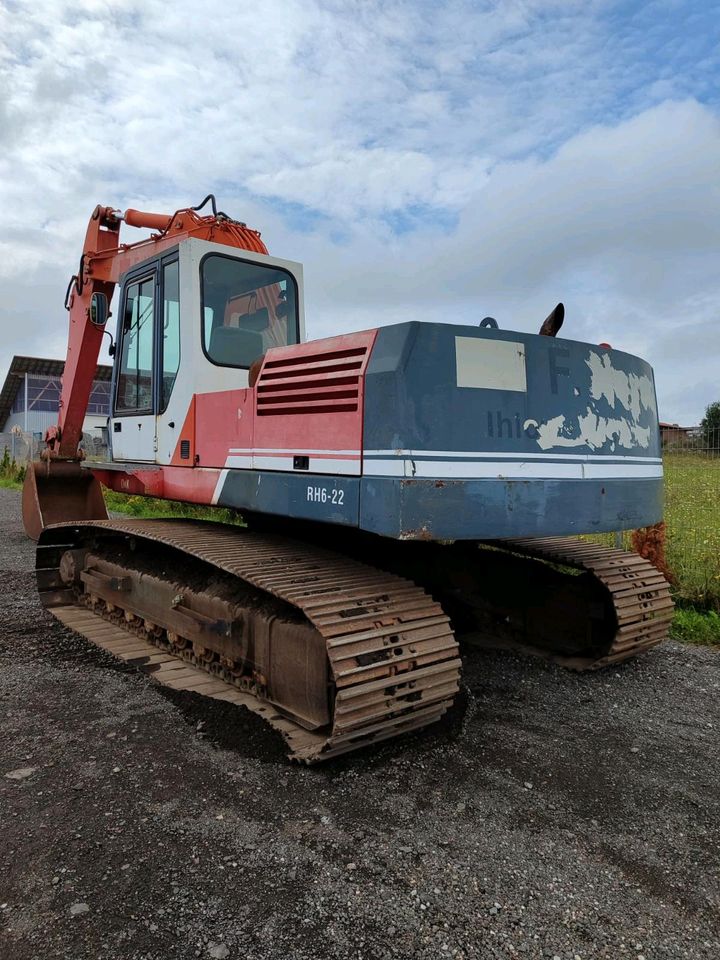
[
  {"x": 134, "y": 385},
  {"x": 170, "y": 331},
  {"x": 246, "y": 309}
]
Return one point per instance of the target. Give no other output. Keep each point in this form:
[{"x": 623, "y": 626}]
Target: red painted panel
[
  {"x": 223, "y": 420},
  {"x": 168, "y": 483},
  {"x": 310, "y": 396},
  {"x": 144, "y": 483},
  {"x": 192, "y": 486},
  {"x": 186, "y": 441},
  {"x": 307, "y": 397}
]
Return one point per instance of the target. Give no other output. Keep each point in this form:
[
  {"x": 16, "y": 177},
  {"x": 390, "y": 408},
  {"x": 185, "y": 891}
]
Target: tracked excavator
[{"x": 401, "y": 488}]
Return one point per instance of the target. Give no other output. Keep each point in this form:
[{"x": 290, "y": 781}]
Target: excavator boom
[{"x": 56, "y": 488}]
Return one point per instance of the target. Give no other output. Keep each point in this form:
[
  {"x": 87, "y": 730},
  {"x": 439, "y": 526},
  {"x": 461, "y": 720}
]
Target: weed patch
[
  {"x": 136, "y": 506},
  {"x": 696, "y": 626},
  {"x": 12, "y": 473}
]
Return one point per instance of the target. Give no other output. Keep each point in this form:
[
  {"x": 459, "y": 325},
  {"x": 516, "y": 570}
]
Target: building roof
[{"x": 39, "y": 367}]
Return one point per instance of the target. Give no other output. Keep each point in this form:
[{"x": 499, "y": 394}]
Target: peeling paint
[
  {"x": 634, "y": 394},
  {"x": 628, "y": 395},
  {"x": 593, "y": 431}
]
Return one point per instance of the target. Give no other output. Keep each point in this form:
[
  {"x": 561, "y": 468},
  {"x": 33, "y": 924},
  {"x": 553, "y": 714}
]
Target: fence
[{"x": 22, "y": 447}]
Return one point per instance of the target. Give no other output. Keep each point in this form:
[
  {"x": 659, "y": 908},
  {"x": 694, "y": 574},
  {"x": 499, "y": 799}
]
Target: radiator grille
[{"x": 327, "y": 382}]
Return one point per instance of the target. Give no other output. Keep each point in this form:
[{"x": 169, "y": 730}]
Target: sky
[{"x": 424, "y": 160}]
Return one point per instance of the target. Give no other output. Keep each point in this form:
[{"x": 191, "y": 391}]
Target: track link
[
  {"x": 393, "y": 659},
  {"x": 638, "y": 591}
]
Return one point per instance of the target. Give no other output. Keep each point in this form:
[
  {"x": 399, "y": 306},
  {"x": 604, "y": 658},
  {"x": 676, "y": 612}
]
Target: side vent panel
[{"x": 324, "y": 382}]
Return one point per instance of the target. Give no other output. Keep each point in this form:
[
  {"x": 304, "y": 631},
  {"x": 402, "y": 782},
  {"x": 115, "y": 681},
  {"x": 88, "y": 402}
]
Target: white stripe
[
  {"x": 385, "y": 468},
  {"x": 450, "y": 454},
  {"x": 317, "y": 465},
  {"x": 218, "y": 486},
  {"x": 239, "y": 463},
  {"x": 299, "y": 452},
  {"x": 504, "y": 469},
  {"x": 488, "y": 454},
  {"x": 598, "y": 469}
]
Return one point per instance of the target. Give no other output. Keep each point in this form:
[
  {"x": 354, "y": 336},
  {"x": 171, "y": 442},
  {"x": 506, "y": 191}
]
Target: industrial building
[{"x": 29, "y": 403}]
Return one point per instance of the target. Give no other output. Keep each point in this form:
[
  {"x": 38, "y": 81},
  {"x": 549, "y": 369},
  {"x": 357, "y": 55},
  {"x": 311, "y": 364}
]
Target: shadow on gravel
[
  {"x": 238, "y": 730},
  {"x": 223, "y": 725}
]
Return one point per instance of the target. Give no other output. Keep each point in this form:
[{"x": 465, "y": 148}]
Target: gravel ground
[{"x": 551, "y": 816}]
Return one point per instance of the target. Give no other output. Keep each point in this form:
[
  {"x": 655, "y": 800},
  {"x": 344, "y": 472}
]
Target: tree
[{"x": 711, "y": 426}]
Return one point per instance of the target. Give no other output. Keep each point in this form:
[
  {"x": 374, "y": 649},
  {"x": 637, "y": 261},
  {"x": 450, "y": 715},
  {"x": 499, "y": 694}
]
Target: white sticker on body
[{"x": 490, "y": 364}]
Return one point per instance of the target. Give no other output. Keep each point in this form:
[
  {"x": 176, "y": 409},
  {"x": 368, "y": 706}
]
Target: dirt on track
[{"x": 551, "y": 816}]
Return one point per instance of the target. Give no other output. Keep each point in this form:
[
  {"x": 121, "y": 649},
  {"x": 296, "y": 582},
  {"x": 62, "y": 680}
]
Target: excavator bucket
[{"x": 59, "y": 491}]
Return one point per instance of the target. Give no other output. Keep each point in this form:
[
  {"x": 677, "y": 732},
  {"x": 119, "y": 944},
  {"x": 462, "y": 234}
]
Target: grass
[
  {"x": 692, "y": 498},
  {"x": 136, "y": 506},
  {"x": 692, "y": 518},
  {"x": 12, "y": 474},
  {"x": 696, "y": 626},
  {"x": 692, "y": 495},
  {"x": 10, "y": 484}
]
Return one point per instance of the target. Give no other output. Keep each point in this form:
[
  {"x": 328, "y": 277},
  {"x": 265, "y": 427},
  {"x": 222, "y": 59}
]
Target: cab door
[{"x": 133, "y": 423}]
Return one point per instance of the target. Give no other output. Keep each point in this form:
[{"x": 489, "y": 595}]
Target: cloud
[
  {"x": 424, "y": 161},
  {"x": 622, "y": 223}
]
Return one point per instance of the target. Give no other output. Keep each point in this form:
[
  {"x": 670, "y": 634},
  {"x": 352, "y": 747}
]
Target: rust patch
[{"x": 421, "y": 533}]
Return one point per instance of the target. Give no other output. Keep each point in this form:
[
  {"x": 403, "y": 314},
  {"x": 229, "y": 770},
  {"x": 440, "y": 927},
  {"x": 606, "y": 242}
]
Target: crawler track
[
  {"x": 642, "y": 607},
  {"x": 393, "y": 659},
  {"x": 580, "y": 604},
  {"x": 389, "y": 657}
]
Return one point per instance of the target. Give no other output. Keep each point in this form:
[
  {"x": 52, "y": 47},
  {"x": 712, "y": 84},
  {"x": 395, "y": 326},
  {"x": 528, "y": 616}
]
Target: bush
[{"x": 11, "y": 473}]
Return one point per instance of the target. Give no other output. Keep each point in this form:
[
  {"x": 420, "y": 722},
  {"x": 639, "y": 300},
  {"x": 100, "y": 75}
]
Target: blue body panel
[
  {"x": 497, "y": 509},
  {"x": 474, "y": 433},
  {"x": 304, "y": 496},
  {"x": 412, "y": 399}
]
